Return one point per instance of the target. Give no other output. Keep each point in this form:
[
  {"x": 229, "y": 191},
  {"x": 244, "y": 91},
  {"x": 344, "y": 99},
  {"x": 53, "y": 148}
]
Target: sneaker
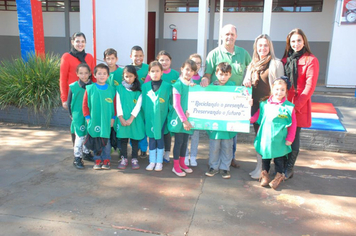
[
  {"x": 193, "y": 161},
  {"x": 158, "y": 167},
  {"x": 187, "y": 170},
  {"x": 226, "y": 174},
  {"x": 134, "y": 164},
  {"x": 166, "y": 157},
  {"x": 123, "y": 163},
  {"x": 151, "y": 166},
  {"x": 211, "y": 172},
  {"x": 97, "y": 165},
  {"x": 88, "y": 157},
  {"x": 143, "y": 155},
  {"x": 180, "y": 174},
  {"x": 106, "y": 165},
  {"x": 78, "y": 163},
  {"x": 186, "y": 161}
]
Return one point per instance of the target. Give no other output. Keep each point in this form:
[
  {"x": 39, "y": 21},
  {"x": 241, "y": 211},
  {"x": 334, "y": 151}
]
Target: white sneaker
[
  {"x": 181, "y": 174},
  {"x": 158, "y": 167},
  {"x": 186, "y": 160},
  {"x": 193, "y": 161},
  {"x": 188, "y": 170},
  {"x": 150, "y": 166},
  {"x": 166, "y": 156}
]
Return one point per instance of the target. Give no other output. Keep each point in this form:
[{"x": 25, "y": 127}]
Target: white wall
[
  {"x": 74, "y": 22},
  {"x": 8, "y": 23},
  {"x": 153, "y": 6},
  {"x": 342, "y": 61},
  {"x": 316, "y": 25},
  {"x": 119, "y": 25},
  {"x": 53, "y": 24}
]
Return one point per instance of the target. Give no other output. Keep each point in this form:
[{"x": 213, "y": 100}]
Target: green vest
[
  {"x": 175, "y": 125},
  {"x": 155, "y": 106},
  {"x": 128, "y": 102},
  {"x": 142, "y": 73},
  {"x": 271, "y": 136},
  {"x": 101, "y": 107},
  {"x": 78, "y": 125},
  {"x": 116, "y": 77},
  {"x": 171, "y": 77}
]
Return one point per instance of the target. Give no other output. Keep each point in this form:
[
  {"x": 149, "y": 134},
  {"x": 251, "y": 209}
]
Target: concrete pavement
[{"x": 41, "y": 193}]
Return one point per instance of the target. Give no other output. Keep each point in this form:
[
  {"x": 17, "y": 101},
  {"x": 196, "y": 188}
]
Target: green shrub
[{"x": 32, "y": 84}]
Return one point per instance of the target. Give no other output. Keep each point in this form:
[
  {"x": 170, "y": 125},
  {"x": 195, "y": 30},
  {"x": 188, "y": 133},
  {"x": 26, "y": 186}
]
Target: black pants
[
  {"x": 124, "y": 142},
  {"x": 167, "y": 142},
  {"x": 296, "y": 143},
  {"x": 180, "y": 145},
  {"x": 278, "y": 161}
]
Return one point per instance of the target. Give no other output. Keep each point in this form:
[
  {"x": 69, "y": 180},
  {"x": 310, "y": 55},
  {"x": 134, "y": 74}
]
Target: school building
[{"x": 329, "y": 25}]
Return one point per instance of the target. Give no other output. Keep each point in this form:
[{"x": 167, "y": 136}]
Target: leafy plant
[{"x": 32, "y": 84}]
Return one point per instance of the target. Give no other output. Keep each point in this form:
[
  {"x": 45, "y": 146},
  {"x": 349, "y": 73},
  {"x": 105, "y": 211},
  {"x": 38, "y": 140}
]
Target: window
[
  {"x": 47, "y": 5},
  {"x": 247, "y": 5},
  {"x": 181, "y": 5}
]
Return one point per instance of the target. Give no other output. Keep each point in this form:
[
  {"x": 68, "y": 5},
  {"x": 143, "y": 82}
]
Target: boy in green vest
[
  {"x": 98, "y": 109},
  {"x": 137, "y": 57},
  {"x": 110, "y": 58},
  {"x": 220, "y": 143},
  {"x": 78, "y": 125}
]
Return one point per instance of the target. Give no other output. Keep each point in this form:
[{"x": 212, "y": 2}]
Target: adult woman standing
[
  {"x": 261, "y": 73},
  {"x": 302, "y": 67},
  {"x": 69, "y": 63}
]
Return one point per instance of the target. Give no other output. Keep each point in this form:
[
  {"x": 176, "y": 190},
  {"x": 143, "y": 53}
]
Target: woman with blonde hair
[{"x": 260, "y": 75}]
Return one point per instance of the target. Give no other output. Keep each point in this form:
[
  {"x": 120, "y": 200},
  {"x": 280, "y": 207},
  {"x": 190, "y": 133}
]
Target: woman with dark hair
[
  {"x": 70, "y": 61},
  {"x": 263, "y": 70},
  {"x": 302, "y": 67}
]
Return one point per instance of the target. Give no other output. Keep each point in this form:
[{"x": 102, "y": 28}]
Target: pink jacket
[{"x": 308, "y": 72}]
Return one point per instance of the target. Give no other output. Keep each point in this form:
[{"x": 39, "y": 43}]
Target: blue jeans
[
  {"x": 193, "y": 144},
  {"x": 220, "y": 152},
  {"x": 105, "y": 153},
  {"x": 234, "y": 141},
  {"x": 143, "y": 144}
]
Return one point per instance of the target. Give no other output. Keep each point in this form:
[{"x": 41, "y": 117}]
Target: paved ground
[{"x": 41, "y": 193}]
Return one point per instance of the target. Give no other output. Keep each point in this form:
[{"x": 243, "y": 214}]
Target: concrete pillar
[
  {"x": 202, "y": 29},
  {"x": 267, "y": 16}
]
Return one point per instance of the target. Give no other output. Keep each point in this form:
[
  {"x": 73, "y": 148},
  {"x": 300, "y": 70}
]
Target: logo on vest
[
  {"x": 135, "y": 101},
  {"x": 109, "y": 100},
  {"x": 82, "y": 128},
  {"x": 161, "y": 100},
  {"x": 117, "y": 127},
  {"x": 97, "y": 128},
  {"x": 173, "y": 81},
  {"x": 116, "y": 83},
  {"x": 282, "y": 116},
  {"x": 143, "y": 79},
  {"x": 174, "y": 122}
]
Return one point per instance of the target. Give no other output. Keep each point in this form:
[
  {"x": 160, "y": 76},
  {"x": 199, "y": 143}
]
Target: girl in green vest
[
  {"x": 156, "y": 95},
  {"x": 78, "y": 125},
  {"x": 177, "y": 121},
  {"x": 128, "y": 108},
  {"x": 278, "y": 124}
]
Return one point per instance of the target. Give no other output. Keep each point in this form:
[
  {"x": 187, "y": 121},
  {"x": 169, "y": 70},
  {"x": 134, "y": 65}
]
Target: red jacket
[
  {"x": 308, "y": 72},
  {"x": 68, "y": 73}
]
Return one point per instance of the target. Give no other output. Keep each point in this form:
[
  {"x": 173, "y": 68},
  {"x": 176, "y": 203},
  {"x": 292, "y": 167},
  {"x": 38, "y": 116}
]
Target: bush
[{"x": 32, "y": 84}]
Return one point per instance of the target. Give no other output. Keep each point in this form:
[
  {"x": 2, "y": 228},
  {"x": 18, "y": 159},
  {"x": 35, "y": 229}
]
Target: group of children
[{"x": 140, "y": 101}]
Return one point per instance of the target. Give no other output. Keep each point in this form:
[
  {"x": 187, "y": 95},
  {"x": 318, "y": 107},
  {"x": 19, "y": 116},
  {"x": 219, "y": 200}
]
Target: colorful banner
[
  {"x": 348, "y": 12},
  {"x": 220, "y": 108}
]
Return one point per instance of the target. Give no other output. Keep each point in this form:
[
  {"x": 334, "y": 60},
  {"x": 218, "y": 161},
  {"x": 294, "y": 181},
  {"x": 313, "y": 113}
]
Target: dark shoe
[
  {"x": 277, "y": 180},
  {"x": 106, "y": 165},
  {"x": 234, "y": 163},
  {"x": 289, "y": 169},
  {"x": 123, "y": 163},
  {"x": 211, "y": 172},
  {"x": 264, "y": 178},
  {"x": 88, "y": 157},
  {"x": 97, "y": 165},
  {"x": 78, "y": 163},
  {"x": 134, "y": 164},
  {"x": 143, "y": 155},
  {"x": 226, "y": 174}
]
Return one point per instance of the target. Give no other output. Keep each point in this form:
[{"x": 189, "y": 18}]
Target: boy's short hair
[
  {"x": 223, "y": 67},
  {"x": 101, "y": 66},
  {"x": 136, "y": 48},
  {"x": 110, "y": 51}
]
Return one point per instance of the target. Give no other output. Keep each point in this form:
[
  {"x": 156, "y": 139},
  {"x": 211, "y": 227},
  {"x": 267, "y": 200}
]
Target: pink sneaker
[{"x": 123, "y": 163}]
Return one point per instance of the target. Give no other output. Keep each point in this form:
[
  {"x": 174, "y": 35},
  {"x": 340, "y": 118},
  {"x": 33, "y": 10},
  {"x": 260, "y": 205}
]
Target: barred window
[
  {"x": 47, "y": 5},
  {"x": 173, "y": 6}
]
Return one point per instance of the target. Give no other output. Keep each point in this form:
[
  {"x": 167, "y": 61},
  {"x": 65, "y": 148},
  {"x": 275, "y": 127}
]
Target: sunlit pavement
[{"x": 41, "y": 193}]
